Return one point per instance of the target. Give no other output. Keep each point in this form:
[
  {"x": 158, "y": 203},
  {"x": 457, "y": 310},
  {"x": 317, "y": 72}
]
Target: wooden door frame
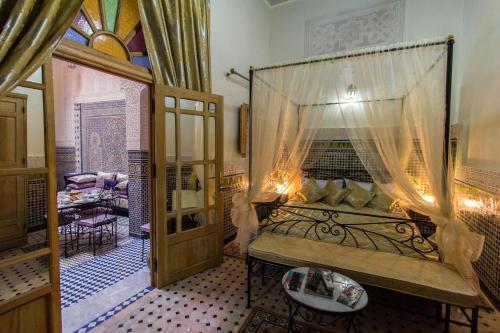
[{"x": 82, "y": 55}]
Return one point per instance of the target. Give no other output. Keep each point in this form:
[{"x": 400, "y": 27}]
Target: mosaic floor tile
[
  {"x": 215, "y": 301},
  {"x": 83, "y": 274},
  {"x": 23, "y": 277},
  {"x": 85, "y": 253}
]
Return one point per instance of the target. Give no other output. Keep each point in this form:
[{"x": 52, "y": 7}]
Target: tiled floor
[
  {"x": 215, "y": 301},
  {"x": 23, "y": 277},
  {"x": 92, "y": 285}
]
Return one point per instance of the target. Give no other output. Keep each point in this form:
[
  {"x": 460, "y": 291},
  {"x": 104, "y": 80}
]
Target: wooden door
[
  {"x": 12, "y": 156},
  {"x": 12, "y": 131},
  {"x": 187, "y": 169}
]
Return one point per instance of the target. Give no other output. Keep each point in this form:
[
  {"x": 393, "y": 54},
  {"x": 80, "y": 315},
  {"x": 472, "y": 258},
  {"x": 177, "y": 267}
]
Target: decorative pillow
[
  {"x": 122, "y": 185},
  {"x": 335, "y": 193},
  {"x": 120, "y": 177},
  {"x": 381, "y": 201},
  {"x": 364, "y": 185},
  {"x": 322, "y": 183},
  {"x": 122, "y": 193},
  {"x": 109, "y": 184},
  {"x": 312, "y": 192},
  {"x": 87, "y": 178},
  {"x": 79, "y": 186},
  {"x": 358, "y": 197},
  {"x": 101, "y": 176}
]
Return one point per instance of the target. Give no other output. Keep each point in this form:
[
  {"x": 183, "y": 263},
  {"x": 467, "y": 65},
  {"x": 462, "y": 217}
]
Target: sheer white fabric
[
  {"x": 392, "y": 105},
  {"x": 282, "y": 134},
  {"x": 400, "y": 141}
]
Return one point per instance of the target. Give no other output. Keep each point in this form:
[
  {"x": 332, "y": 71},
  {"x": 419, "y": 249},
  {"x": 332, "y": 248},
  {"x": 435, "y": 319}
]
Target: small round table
[{"x": 323, "y": 311}]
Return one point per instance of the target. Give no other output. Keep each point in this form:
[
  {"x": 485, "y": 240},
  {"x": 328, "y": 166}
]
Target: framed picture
[{"x": 243, "y": 130}]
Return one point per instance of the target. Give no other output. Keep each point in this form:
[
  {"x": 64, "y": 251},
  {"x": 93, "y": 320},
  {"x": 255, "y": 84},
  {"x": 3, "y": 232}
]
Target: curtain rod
[
  {"x": 363, "y": 101},
  {"x": 354, "y": 55},
  {"x": 232, "y": 71}
]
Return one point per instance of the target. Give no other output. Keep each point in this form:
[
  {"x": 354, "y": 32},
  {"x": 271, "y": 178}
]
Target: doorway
[{"x": 103, "y": 189}]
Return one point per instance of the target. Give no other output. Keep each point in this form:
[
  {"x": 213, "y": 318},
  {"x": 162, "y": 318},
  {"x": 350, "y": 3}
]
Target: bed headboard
[{"x": 337, "y": 160}]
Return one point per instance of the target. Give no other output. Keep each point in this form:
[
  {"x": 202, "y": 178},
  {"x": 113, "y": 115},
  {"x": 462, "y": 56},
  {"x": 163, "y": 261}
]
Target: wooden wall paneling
[{"x": 30, "y": 317}]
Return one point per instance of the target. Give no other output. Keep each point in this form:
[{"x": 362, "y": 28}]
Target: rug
[{"x": 264, "y": 321}]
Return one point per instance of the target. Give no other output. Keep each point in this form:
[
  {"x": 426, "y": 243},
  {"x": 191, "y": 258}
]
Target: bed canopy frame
[
  {"x": 449, "y": 41},
  {"x": 420, "y": 76},
  {"x": 397, "y": 148}
]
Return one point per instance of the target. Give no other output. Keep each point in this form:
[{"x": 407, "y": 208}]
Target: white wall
[
  {"x": 431, "y": 18},
  {"x": 479, "y": 93},
  {"x": 422, "y": 19},
  {"x": 239, "y": 38},
  {"x": 35, "y": 131}
]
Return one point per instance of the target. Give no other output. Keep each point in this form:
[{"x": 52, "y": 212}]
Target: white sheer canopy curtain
[
  {"x": 397, "y": 126},
  {"x": 282, "y": 133}
]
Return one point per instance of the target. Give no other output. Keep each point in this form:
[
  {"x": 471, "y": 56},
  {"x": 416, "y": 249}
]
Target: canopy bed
[{"x": 391, "y": 225}]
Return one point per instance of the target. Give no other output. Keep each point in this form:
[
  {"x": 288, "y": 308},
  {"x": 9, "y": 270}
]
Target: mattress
[{"x": 367, "y": 232}]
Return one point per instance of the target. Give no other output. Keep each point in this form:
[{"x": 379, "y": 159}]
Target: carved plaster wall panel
[{"x": 374, "y": 26}]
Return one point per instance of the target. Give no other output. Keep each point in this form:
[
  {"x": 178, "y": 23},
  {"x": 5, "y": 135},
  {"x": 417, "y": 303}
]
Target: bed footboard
[{"x": 404, "y": 238}]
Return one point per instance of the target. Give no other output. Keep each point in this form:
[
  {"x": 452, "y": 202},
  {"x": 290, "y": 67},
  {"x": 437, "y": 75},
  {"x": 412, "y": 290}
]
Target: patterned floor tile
[
  {"x": 23, "y": 277},
  {"x": 83, "y": 274},
  {"x": 215, "y": 301},
  {"x": 85, "y": 253},
  {"x": 97, "y": 321}
]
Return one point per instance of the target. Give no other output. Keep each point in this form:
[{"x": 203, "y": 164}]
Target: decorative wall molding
[{"x": 358, "y": 29}]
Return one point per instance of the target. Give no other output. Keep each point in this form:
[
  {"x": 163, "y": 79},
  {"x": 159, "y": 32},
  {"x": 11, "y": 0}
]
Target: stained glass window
[{"x": 112, "y": 27}]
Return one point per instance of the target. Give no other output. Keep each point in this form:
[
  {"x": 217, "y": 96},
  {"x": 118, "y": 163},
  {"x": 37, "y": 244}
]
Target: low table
[{"x": 323, "y": 311}]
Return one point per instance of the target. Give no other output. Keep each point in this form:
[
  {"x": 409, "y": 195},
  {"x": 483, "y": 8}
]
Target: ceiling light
[{"x": 352, "y": 92}]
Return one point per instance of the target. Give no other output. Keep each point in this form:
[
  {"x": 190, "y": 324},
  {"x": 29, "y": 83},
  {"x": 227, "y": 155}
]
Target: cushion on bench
[{"x": 408, "y": 275}]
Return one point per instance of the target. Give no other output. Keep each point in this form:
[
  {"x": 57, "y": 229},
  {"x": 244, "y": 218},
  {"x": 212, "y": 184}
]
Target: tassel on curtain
[
  {"x": 30, "y": 32},
  {"x": 177, "y": 34}
]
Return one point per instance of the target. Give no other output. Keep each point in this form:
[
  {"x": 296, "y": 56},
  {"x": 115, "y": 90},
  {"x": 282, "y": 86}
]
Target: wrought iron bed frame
[
  {"x": 473, "y": 319},
  {"x": 329, "y": 225}
]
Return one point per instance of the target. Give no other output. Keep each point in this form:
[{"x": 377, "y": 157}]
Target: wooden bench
[{"x": 413, "y": 276}]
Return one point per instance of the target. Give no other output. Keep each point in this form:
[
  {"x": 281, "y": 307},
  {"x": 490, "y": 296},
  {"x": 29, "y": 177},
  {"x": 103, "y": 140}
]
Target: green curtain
[
  {"x": 30, "y": 32},
  {"x": 177, "y": 34}
]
